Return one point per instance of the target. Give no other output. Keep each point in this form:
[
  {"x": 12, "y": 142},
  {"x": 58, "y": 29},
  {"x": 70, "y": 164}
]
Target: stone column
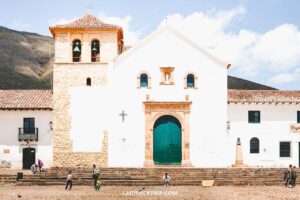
[
  {"x": 86, "y": 48},
  {"x": 239, "y": 162},
  {"x": 148, "y": 141},
  {"x": 185, "y": 162}
]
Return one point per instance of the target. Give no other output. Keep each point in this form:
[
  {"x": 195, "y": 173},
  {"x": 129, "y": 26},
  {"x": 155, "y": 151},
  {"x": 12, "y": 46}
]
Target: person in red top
[{"x": 41, "y": 164}]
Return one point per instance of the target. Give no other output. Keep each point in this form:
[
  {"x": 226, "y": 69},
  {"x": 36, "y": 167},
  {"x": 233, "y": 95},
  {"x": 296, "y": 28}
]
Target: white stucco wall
[
  {"x": 167, "y": 49},
  {"x": 10, "y": 122},
  {"x": 97, "y": 108},
  {"x": 273, "y": 129}
]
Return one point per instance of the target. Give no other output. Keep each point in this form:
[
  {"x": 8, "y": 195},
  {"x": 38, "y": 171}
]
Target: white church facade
[{"x": 162, "y": 102}]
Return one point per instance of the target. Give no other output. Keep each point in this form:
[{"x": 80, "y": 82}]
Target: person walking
[
  {"x": 293, "y": 176},
  {"x": 166, "y": 180},
  {"x": 287, "y": 176},
  {"x": 96, "y": 173},
  {"x": 69, "y": 181}
]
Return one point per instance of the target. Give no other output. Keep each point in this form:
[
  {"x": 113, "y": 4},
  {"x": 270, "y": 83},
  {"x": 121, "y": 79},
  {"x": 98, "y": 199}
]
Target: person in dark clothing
[
  {"x": 96, "y": 173},
  {"x": 69, "y": 181},
  {"x": 287, "y": 176},
  {"x": 293, "y": 176}
]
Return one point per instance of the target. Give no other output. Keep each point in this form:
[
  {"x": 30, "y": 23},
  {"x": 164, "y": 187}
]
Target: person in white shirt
[
  {"x": 69, "y": 180},
  {"x": 34, "y": 168},
  {"x": 166, "y": 179},
  {"x": 96, "y": 173}
]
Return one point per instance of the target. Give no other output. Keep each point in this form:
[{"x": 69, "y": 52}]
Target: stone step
[
  {"x": 153, "y": 176},
  {"x": 7, "y": 178},
  {"x": 150, "y": 183}
]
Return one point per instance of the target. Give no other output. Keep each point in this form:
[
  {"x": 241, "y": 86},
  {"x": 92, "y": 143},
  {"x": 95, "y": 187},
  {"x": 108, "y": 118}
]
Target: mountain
[
  {"x": 242, "y": 84},
  {"x": 26, "y": 62},
  {"x": 24, "y": 59}
]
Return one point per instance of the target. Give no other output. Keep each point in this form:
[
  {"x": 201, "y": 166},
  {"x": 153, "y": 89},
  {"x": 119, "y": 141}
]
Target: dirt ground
[{"x": 156, "y": 192}]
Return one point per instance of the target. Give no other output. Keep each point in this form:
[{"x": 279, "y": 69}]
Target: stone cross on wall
[{"x": 123, "y": 115}]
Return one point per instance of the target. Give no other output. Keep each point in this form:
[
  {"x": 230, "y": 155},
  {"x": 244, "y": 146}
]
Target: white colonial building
[
  {"x": 25, "y": 128},
  {"x": 162, "y": 102}
]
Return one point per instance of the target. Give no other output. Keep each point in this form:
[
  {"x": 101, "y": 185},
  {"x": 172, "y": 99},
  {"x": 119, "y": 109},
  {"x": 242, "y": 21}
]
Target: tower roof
[{"x": 87, "y": 22}]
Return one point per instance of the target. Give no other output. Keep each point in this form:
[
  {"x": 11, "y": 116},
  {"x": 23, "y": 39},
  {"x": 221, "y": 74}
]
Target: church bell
[
  {"x": 76, "y": 48},
  {"x": 94, "y": 48}
]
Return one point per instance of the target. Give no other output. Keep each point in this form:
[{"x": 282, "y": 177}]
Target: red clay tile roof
[
  {"x": 25, "y": 99},
  {"x": 86, "y": 22},
  {"x": 263, "y": 96}
]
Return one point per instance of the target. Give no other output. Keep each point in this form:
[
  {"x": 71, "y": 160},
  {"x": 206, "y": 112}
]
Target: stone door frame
[{"x": 179, "y": 110}]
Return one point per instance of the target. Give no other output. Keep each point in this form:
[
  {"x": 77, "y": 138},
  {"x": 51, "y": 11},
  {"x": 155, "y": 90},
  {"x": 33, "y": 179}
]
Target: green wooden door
[{"x": 167, "y": 141}]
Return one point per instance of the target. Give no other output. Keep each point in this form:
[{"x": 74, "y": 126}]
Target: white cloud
[
  {"x": 285, "y": 77},
  {"x": 19, "y": 25},
  {"x": 206, "y": 29},
  {"x": 282, "y": 78},
  {"x": 275, "y": 52},
  {"x": 130, "y": 36}
]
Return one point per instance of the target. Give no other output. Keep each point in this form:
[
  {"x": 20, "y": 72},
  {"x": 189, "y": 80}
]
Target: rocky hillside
[
  {"x": 242, "y": 84},
  {"x": 24, "y": 59},
  {"x": 26, "y": 62}
]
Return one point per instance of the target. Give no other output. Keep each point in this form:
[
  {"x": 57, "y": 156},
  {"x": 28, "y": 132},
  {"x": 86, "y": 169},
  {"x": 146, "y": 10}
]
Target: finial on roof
[
  {"x": 166, "y": 20},
  {"x": 90, "y": 7}
]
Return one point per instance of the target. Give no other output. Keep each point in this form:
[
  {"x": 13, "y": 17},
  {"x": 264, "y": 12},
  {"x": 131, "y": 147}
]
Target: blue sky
[{"x": 261, "y": 38}]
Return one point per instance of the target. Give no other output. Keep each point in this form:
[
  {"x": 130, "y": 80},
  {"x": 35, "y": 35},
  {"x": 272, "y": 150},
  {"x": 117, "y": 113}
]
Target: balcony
[{"x": 26, "y": 134}]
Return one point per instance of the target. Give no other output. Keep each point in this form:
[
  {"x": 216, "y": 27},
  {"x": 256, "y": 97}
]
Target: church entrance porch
[
  {"x": 167, "y": 141},
  {"x": 167, "y": 133}
]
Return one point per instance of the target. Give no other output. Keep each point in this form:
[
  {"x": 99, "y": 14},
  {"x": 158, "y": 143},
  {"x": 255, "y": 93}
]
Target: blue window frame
[
  {"x": 144, "y": 80},
  {"x": 254, "y": 116},
  {"x": 190, "y": 81},
  {"x": 298, "y": 117}
]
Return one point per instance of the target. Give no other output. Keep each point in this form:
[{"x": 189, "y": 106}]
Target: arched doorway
[
  {"x": 28, "y": 157},
  {"x": 167, "y": 141}
]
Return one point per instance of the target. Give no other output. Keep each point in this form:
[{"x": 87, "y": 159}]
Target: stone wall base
[
  {"x": 82, "y": 159},
  {"x": 79, "y": 159}
]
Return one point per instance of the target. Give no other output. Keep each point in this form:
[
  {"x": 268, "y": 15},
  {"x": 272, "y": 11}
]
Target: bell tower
[
  {"x": 85, "y": 38},
  {"x": 83, "y": 49}
]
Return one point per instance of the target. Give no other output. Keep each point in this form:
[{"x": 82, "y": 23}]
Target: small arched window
[
  {"x": 254, "y": 145},
  {"x": 95, "y": 51},
  {"x": 76, "y": 50},
  {"x": 88, "y": 82},
  {"x": 143, "y": 80},
  {"x": 190, "y": 81}
]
